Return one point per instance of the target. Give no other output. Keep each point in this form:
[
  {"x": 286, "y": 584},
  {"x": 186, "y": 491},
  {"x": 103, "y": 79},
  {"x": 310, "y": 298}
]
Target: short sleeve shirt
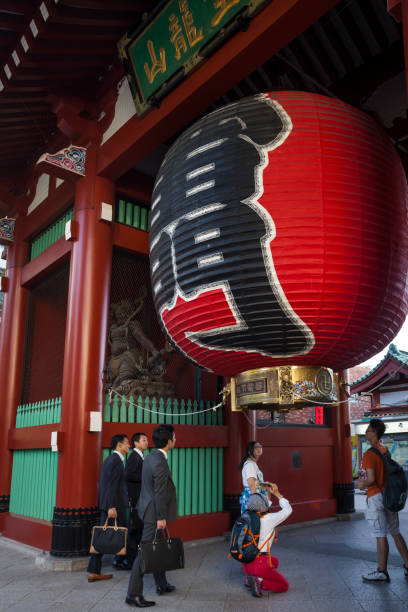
[
  {"x": 251, "y": 470},
  {"x": 373, "y": 462}
]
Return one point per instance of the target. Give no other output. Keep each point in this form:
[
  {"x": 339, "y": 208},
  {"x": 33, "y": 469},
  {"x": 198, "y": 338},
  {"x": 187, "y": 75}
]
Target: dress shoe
[
  {"x": 96, "y": 577},
  {"x": 139, "y": 602},
  {"x": 122, "y": 565},
  {"x": 166, "y": 588}
]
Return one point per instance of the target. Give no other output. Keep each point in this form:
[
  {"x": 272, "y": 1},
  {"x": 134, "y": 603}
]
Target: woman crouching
[{"x": 262, "y": 573}]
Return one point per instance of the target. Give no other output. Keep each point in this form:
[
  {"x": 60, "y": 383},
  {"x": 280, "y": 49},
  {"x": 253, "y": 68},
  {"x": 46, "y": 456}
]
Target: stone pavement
[{"x": 323, "y": 564}]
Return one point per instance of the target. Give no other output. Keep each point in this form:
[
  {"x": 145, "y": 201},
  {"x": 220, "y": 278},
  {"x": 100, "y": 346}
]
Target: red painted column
[
  {"x": 240, "y": 432},
  {"x": 343, "y": 470},
  {"x": 84, "y": 360},
  {"x": 12, "y": 339}
]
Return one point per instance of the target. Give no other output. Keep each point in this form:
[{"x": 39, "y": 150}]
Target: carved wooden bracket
[{"x": 67, "y": 164}]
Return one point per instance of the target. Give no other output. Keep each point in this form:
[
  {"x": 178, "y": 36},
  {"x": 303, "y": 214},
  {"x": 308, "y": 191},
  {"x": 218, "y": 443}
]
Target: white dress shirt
[
  {"x": 270, "y": 521},
  {"x": 120, "y": 455},
  {"x": 139, "y": 452},
  {"x": 164, "y": 453}
]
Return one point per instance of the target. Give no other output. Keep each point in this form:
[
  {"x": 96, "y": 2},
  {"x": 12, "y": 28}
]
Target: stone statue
[{"x": 134, "y": 358}]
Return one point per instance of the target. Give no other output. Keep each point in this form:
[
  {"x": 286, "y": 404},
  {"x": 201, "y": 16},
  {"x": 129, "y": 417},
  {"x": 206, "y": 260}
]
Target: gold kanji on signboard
[
  {"x": 223, "y": 6},
  {"x": 177, "y": 36},
  {"x": 193, "y": 36},
  {"x": 158, "y": 65}
]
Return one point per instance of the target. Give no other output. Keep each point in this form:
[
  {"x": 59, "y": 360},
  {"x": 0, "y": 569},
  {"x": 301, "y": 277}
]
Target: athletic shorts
[{"x": 382, "y": 522}]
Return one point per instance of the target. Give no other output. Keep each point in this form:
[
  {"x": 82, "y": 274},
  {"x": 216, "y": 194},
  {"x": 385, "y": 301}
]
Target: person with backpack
[
  {"x": 251, "y": 540},
  {"x": 386, "y": 494}
]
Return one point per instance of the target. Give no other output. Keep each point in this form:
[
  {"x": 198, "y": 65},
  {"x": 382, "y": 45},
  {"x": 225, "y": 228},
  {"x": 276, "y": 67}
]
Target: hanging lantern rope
[{"x": 124, "y": 398}]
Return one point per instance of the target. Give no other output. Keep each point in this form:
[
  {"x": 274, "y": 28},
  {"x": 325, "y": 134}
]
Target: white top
[
  {"x": 270, "y": 521},
  {"x": 120, "y": 455},
  {"x": 164, "y": 452},
  {"x": 250, "y": 469},
  {"x": 139, "y": 452}
]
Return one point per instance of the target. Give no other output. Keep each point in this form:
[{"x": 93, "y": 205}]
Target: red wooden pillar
[
  {"x": 399, "y": 10},
  {"x": 240, "y": 432},
  {"x": 12, "y": 338},
  {"x": 343, "y": 470},
  {"x": 84, "y": 360}
]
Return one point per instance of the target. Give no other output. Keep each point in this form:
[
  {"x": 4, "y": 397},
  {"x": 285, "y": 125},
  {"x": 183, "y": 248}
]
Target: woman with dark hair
[{"x": 252, "y": 477}]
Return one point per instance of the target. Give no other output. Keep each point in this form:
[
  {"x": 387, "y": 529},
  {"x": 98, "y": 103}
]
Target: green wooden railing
[
  {"x": 39, "y": 413},
  {"x": 34, "y": 483},
  {"x": 34, "y": 475},
  {"x": 142, "y": 410},
  {"x": 198, "y": 476},
  {"x": 197, "y": 472},
  {"x": 50, "y": 235},
  {"x": 133, "y": 214}
]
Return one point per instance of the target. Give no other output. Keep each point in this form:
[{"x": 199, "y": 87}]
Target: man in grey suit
[{"x": 157, "y": 506}]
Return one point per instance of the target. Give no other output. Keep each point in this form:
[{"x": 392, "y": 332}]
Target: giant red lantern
[{"x": 279, "y": 236}]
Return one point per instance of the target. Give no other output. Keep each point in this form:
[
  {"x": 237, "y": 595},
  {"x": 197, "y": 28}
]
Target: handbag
[
  {"x": 108, "y": 539},
  {"x": 161, "y": 555}
]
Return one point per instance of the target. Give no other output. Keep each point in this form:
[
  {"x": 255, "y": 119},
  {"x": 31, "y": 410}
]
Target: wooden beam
[
  {"x": 187, "y": 436},
  {"x": 49, "y": 210},
  {"x": 275, "y": 26},
  {"x": 46, "y": 262},
  {"x": 130, "y": 239},
  {"x": 38, "y": 436},
  {"x": 136, "y": 185}
]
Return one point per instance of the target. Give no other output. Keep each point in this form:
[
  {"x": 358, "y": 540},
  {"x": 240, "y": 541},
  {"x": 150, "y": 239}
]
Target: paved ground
[{"x": 323, "y": 563}]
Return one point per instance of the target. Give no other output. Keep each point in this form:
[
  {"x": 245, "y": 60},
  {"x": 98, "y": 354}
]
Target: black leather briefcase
[
  {"x": 161, "y": 555},
  {"x": 109, "y": 540}
]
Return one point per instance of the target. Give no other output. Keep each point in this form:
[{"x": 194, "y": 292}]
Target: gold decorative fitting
[{"x": 284, "y": 388}]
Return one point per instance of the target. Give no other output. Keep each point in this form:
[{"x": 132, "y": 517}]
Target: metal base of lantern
[
  {"x": 283, "y": 388},
  {"x": 4, "y": 503},
  {"x": 71, "y": 531},
  {"x": 344, "y": 494}
]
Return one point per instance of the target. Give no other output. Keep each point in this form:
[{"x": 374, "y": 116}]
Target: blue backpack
[
  {"x": 395, "y": 491},
  {"x": 245, "y": 537}
]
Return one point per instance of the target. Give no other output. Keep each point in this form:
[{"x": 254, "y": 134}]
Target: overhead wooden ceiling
[
  {"x": 63, "y": 47},
  {"x": 68, "y": 47}
]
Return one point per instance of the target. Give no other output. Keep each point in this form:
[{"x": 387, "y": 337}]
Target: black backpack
[
  {"x": 245, "y": 537},
  {"x": 395, "y": 491}
]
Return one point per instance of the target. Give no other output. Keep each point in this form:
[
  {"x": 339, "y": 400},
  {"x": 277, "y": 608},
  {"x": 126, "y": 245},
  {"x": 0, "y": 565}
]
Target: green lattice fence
[
  {"x": 39, "y": 413},
  {"x": 50, "y": 235},
  {"x": 197, "y": 472},
  {"x": 143, "y": 410},
  {"x": 34, "y": 475},
  {"x": 34, "y": 483},
  {"x": 133, "y": 214}
]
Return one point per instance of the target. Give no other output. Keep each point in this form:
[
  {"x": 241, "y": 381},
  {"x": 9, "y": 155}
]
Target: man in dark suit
[
  {"x": 113, "y": 501},
  {"x": 133, "y": 475},
  {"x": 157, "y": 506}
]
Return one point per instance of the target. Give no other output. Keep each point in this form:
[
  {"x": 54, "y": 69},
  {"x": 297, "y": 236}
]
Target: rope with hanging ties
[{"x": 173, "y": 414}]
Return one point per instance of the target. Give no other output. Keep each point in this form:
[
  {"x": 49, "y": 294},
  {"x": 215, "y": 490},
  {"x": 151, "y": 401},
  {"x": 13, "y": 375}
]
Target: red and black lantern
[{"x": 279, "y": 236}]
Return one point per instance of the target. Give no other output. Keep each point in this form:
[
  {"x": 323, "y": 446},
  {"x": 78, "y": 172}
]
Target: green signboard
[{"x": 179, "y": 36}]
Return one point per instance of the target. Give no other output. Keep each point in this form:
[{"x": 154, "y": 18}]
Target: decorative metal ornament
[
  {"x": 7, "y": 226},
  {"x": 283, "y": 388},
  {"x": 279, "y": 238}
]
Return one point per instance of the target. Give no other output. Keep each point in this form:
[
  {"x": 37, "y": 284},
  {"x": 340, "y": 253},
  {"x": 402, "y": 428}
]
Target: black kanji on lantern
[{"x": 208, "y": 229}]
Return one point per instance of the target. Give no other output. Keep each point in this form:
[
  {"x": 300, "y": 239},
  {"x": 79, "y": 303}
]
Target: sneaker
[
  {"x": 255, "y": 586},
  {"x": 376, "y": 576},
  {"x": 405, "y": 571}
]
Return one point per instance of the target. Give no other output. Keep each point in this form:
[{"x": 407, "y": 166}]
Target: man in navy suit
[
  {"x": 157, "y": 506},
  {"x": 113, "y": 501},
  {"x": 133, "y": 475}
]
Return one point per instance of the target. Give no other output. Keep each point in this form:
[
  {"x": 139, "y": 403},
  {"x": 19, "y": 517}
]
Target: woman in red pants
[{"x": 262, "y": 573}]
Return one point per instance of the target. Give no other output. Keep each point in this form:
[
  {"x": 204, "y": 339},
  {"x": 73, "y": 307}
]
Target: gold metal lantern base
[{"x": 283, "y": 388}]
